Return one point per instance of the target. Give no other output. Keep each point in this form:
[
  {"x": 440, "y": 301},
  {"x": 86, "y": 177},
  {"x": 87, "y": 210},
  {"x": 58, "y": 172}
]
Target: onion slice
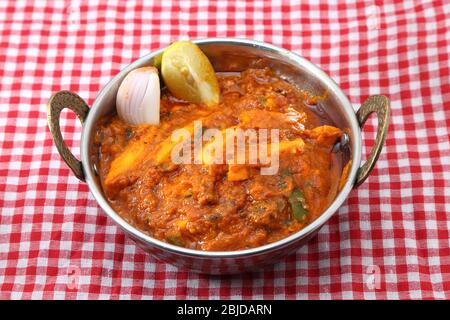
[{"x": 138, "y": 97}]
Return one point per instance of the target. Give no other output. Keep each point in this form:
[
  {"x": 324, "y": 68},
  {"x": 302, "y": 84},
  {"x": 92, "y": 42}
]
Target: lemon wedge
[{"x": 189, "y": 75}]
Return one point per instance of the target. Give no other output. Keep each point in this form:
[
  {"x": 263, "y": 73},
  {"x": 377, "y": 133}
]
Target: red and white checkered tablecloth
[{"x": 55, "y": 241}]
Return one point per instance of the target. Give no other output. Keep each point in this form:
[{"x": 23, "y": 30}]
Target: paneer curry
[{"x": 221, "y": 206}]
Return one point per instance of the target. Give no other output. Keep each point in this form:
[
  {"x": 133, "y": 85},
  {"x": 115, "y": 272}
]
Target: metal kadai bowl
[{"x": 228, "y": 55}]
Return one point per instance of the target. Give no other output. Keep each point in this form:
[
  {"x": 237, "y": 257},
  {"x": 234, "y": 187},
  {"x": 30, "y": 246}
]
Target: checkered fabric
[{"x": 390, "y": 239}]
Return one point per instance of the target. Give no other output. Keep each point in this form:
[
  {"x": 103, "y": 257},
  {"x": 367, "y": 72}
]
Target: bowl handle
[
  {"x": 380, "y": 105},
  {"x": 59, "y": 101}
]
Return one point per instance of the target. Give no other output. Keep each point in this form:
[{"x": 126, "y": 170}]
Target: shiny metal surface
[
  {"x": 380, "y": 106},
  {"x": 229, "y": 55},
  {"x": 58, "y": 102}
]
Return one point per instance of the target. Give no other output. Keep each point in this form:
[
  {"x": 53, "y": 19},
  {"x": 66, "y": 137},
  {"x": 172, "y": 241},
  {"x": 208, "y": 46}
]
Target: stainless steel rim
[{"x": 341, "y": 197}]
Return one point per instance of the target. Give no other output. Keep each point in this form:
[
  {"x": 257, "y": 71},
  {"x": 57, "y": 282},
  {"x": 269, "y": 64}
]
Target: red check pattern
[{"x": 55, "y": 241}]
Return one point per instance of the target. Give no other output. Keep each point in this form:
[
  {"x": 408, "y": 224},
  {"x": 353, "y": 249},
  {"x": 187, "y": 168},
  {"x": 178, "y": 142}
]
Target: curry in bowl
[
  {"x": 213, "y": 206},
  {"x": 151, "y": 151}
]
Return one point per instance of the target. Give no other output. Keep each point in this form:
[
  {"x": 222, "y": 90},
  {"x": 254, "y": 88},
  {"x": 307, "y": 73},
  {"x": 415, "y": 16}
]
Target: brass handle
[
  {"x": 379, "y": 105},
  {"x": 59, "y": 101}
]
